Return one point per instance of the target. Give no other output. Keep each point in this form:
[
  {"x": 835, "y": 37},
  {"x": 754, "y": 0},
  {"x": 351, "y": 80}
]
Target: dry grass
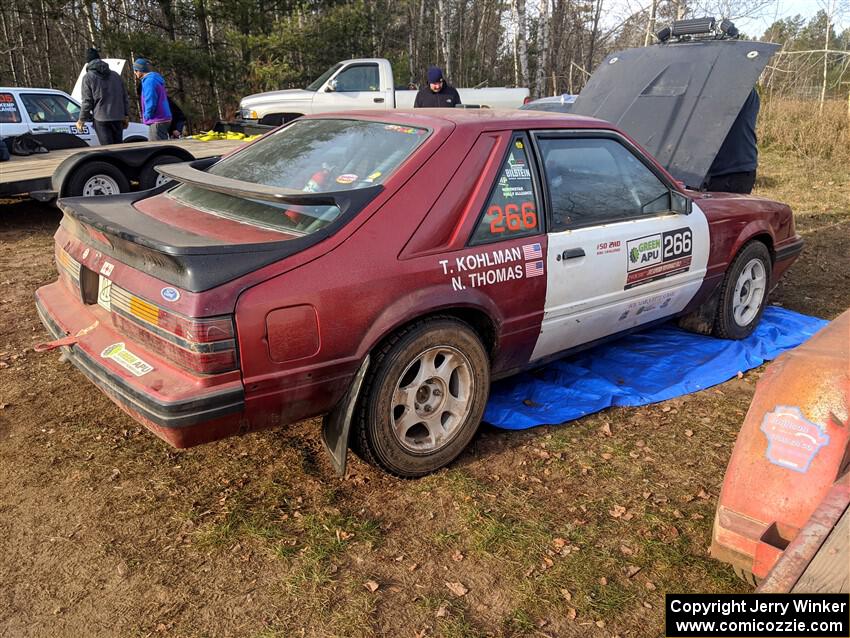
[{"x": 797, "y": 127}]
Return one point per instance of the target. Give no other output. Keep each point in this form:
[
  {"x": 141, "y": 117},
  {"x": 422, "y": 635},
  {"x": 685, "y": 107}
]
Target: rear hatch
[
  {"x": 277, "y": 196},
  {"x": 181, "y": 245},
  {"x": 678, "y": 100}
]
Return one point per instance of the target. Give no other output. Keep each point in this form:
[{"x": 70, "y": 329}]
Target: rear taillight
[
  {"x": 527, "y": 99},
  {"x": 68, "y": 266},
  {"x": 206, "y": 346}
]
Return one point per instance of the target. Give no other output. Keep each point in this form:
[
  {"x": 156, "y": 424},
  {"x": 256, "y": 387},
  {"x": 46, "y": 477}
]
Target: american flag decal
[
  {"x": 533, "y": 268},
  {"x": 532, "y": 251}
]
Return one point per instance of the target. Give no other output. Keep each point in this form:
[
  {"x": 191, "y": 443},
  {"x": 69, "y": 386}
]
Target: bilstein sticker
[
  {"x": 792, "y": 440},
  {"x": 126, "y": 359}
]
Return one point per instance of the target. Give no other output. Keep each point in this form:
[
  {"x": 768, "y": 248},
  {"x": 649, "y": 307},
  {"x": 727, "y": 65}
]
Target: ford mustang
[{"x": 382, "y": 269}]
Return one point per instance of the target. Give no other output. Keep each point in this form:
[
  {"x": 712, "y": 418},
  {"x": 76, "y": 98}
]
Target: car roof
[
  {"x": 482, "y": 119},
  {"x": 19, "y": 89}
]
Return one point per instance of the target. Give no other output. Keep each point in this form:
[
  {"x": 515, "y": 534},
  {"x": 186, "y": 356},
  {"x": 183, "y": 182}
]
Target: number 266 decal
[
  {"x": 512, "y": 218},
  {"x": 677, "y": 243}
]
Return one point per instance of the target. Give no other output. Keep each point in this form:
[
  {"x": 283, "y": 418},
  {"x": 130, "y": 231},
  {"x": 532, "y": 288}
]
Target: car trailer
[{"x": 101, "y": 170}]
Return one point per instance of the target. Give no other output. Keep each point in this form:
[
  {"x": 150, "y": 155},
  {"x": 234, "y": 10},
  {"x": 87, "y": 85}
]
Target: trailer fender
[{"x": 128, "y": 161}]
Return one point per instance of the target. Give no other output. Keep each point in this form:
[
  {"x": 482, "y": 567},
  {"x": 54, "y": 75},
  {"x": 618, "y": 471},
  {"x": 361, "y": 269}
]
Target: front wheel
[
  {"x": 424, "y": 399},
  {"x": 744, "y": 293}
]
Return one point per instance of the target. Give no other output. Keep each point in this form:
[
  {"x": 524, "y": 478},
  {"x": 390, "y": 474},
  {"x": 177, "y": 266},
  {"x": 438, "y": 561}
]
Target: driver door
[
  {"x": 56, "y": 113},
  {"x": 356, "y": 86},
  {"x": 618, "y": 255}
]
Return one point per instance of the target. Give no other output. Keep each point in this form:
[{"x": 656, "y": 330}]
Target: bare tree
[{"x": 543, "y": 48}]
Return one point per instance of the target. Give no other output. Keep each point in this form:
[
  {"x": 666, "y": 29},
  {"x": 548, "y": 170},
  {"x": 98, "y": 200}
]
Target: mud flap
[
  {"x": 336, "y": 425},
  {"x": 701, "y": 320}
]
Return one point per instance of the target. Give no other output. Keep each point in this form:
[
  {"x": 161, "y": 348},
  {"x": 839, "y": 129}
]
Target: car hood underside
[{"x": 677, "y": 100}]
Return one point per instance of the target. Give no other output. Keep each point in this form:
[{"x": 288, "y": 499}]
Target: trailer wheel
[
  {"x": 97, "y": 178},
  {"x": 424, "y": 398},
  {"x": 149, "y": 178}
]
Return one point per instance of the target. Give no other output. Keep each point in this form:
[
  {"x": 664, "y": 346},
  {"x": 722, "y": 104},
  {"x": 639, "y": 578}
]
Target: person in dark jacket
[
  {"x": 178, "y": 119},
  {"x": 437, "y": 93},
  {"x": 104, "y": 101},
  {"x": 155, "y": 111},
  {"x": 734, "y": 168}
]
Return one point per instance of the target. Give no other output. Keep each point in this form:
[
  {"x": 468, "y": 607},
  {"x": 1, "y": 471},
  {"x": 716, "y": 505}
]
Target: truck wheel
[
  {"x": 97, "y": 178},
  {"x": 424, "y": 398},
  {"x": 149, "y": 178},
  {"x": 743, "y": 294}
]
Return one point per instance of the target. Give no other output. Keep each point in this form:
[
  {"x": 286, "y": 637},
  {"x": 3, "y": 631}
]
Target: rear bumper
[{"x": 191, "y": 419}]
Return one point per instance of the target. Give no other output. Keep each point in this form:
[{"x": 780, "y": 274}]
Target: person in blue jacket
[{"x": 155, "y": 111}]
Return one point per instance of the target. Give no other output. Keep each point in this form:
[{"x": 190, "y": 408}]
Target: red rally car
[{"x": 381, "y": 269}]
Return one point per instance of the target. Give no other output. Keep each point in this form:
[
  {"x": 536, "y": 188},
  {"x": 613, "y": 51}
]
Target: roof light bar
[
  {"x": 694, "y": 26},
  {"x": 700, "y": 28}
]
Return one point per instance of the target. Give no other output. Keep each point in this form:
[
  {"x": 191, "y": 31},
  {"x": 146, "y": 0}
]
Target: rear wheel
[
  {"x": 424, "y": 399},
  {"x": 97, "y": 178},
  {"x": 149, "y": 178},
  {"x": 743, "y": 295}
]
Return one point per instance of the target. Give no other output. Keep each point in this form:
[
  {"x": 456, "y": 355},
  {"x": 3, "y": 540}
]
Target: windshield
[
  {"x": 313, "y": 156},
  {"x": 317, "y": 84}
]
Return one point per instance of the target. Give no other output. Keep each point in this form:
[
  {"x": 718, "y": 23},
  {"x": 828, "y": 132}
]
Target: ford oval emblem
[{"x": 170, "y": 294}]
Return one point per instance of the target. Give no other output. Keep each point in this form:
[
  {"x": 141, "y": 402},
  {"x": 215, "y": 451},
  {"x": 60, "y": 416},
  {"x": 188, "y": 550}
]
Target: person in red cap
[{"x": 437, "y": 94}]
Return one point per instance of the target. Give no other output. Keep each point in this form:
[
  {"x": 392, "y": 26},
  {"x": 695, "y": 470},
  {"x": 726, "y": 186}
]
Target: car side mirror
[
  {"x": 680, "y": 203},
  {"x": 332, "y": 84}
]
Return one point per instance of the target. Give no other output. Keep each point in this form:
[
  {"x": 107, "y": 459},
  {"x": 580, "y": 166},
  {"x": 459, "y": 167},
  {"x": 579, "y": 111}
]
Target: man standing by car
[
  {"x": 437, "y": 93},
  {"x": 104, "y": 101},
  {"x": 155, "y": 111},
  {"x": 734, "y": 167}
]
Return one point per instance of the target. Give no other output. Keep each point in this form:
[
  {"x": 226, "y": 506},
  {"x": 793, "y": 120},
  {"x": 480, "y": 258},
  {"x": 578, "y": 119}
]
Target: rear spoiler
[{"x": 189, "y": 173}]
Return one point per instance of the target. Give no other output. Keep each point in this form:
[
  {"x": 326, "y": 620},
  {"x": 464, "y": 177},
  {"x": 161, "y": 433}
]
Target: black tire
[
  {"x": 756, "y": 257},
  {"x": 405, "y": 361},
  {"x": 148, "y": 175},
  {"x": 135, "y": 138},
  {"x": 85, "y": 179}
]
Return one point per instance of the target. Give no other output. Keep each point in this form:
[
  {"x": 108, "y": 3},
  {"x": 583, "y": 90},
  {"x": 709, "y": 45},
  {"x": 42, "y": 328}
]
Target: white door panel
[
  {"x": 355, "y": 86},
  {"x": 632, "y": 272}
]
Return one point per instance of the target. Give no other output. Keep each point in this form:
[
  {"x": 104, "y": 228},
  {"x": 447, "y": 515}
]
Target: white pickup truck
[{"x": 363, "y": 83}]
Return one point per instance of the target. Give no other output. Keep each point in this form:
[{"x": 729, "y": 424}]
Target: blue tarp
[{"x": 640, "y": 368}]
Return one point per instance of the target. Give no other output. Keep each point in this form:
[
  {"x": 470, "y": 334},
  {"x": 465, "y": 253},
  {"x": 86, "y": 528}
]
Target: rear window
[{"x": 313, "y": 156}]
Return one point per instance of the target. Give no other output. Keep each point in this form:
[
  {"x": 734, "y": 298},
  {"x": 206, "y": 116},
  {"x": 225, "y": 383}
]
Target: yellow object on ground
[{"x": 209, "y": 136}]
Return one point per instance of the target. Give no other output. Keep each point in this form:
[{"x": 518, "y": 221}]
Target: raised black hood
[{"x": 678, "y": 100}]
